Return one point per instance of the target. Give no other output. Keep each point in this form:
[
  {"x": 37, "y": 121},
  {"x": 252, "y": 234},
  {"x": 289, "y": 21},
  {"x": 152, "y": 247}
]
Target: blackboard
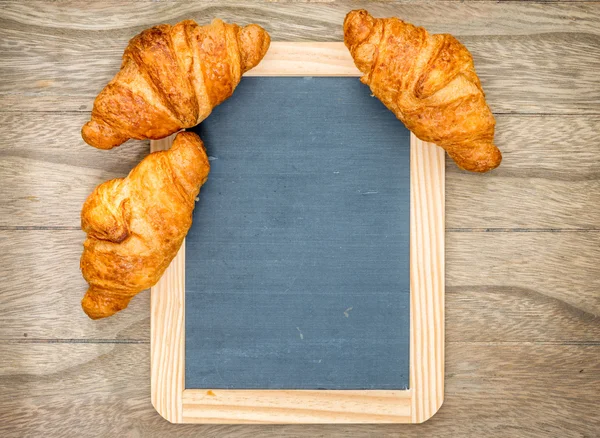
[{"x": 297, "y": 262}]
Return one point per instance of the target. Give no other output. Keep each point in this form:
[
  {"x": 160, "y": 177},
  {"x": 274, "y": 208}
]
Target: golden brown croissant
[
  {"x": 171, "y": 77},
  {"x": 135, "y": 225},
  {"x": 429, "y": 83}
]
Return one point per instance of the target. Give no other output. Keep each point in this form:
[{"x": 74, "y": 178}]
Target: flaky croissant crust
[
  {"x": 429, "y": 82},
  {"x": 171, "y": 77},
  {"x": 135, "y": 225}
]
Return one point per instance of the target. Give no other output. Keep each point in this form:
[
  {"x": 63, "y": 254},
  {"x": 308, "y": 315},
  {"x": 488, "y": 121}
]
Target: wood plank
[
  {"x": 515, "y": 311},
  {"x": 167, "y": 340},
  {"x": 492, "y": 390},
  {"x": 306, "y": 59},
  {"x": 304, "y": 17},
  {"x": 559, "y": 266},
  {"x": 298, "y": 406},
  {"x": 167, "y": 330},
  {"x": 48, "y": 171},
  {"x": 548, "y": 178},
  {"x": 516, "y": 46},
  {"x": 42, "y": 289},
  {"x": 526, "y": 287},
  {"x": 427, "y": 267}
]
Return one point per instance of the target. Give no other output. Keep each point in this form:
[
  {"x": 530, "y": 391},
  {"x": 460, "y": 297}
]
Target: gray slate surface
[{"x": 297, "y": 263}]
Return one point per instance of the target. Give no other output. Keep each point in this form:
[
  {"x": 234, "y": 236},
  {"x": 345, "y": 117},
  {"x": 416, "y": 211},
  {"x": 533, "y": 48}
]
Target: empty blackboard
[
  {"x": 310, "y": 288},
  {"x": 297, "y": 262}
]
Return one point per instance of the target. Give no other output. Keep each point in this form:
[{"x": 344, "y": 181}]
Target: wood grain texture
[
  {"x": 521, "y": 359},
  {"x": 548, "y": 178},
  {"x": 42, "y": 288},
  {"x": 427, "y": 268},
  {"x": 514, "y": 287},
  {"x": 167, "y": 340},
  {"x": 167, "y": 330},
  {"x": 568, "y": 262},
  {"x": 51, "y": 385},
  {"x": 48, "y": 171},
  {"x": 298, "y": 406},
  {"x": 306, "y": 59},
  {"x": 532, "y": 58}
]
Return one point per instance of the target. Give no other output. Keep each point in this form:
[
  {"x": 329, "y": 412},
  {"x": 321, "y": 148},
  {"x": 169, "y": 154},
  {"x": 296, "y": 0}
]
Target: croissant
[
  {"x": 135, "y": 225},
  {"x": 171, "y": 78},
  {"x": 429, "y": 83}
]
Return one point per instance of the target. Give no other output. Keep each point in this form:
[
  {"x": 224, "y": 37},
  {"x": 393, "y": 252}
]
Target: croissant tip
[
  {"x": 86, "y": 134},
  {"x": 357, "y": 26},
  {"x": 97, "y": 306},
  {"x": 355, "y": 12},
  {"x": 101, "y": 136},
  {"x": 189, "y": 144},
  {"x": 495, "y": 159},
  {"x": 254, "y": 43},
  {"x": 190, "y": 136},
  {"x": 483, "y": 166},
  {"x": 93, "y": 313}
]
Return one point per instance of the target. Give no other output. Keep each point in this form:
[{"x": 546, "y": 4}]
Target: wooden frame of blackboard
[{"x": 425, "y": 394}]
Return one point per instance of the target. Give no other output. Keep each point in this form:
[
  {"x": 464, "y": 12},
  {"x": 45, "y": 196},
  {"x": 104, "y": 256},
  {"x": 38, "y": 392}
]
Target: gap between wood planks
[
  {"x": 448, "y": 230},
  {"x": 144, "y": 342},
  {"x": 72, "y": 341}
]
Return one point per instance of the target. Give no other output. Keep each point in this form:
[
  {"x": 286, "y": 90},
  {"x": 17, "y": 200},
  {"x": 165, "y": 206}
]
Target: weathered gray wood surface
[
  {"x": 492, "y": 389},
  {"x": 523, "y": 243},
  {"x": 549, "y": 177},
  {"x": 532, "y": 58}
]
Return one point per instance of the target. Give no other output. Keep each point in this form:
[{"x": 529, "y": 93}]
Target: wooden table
[{"x": 523, "y": 242}]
